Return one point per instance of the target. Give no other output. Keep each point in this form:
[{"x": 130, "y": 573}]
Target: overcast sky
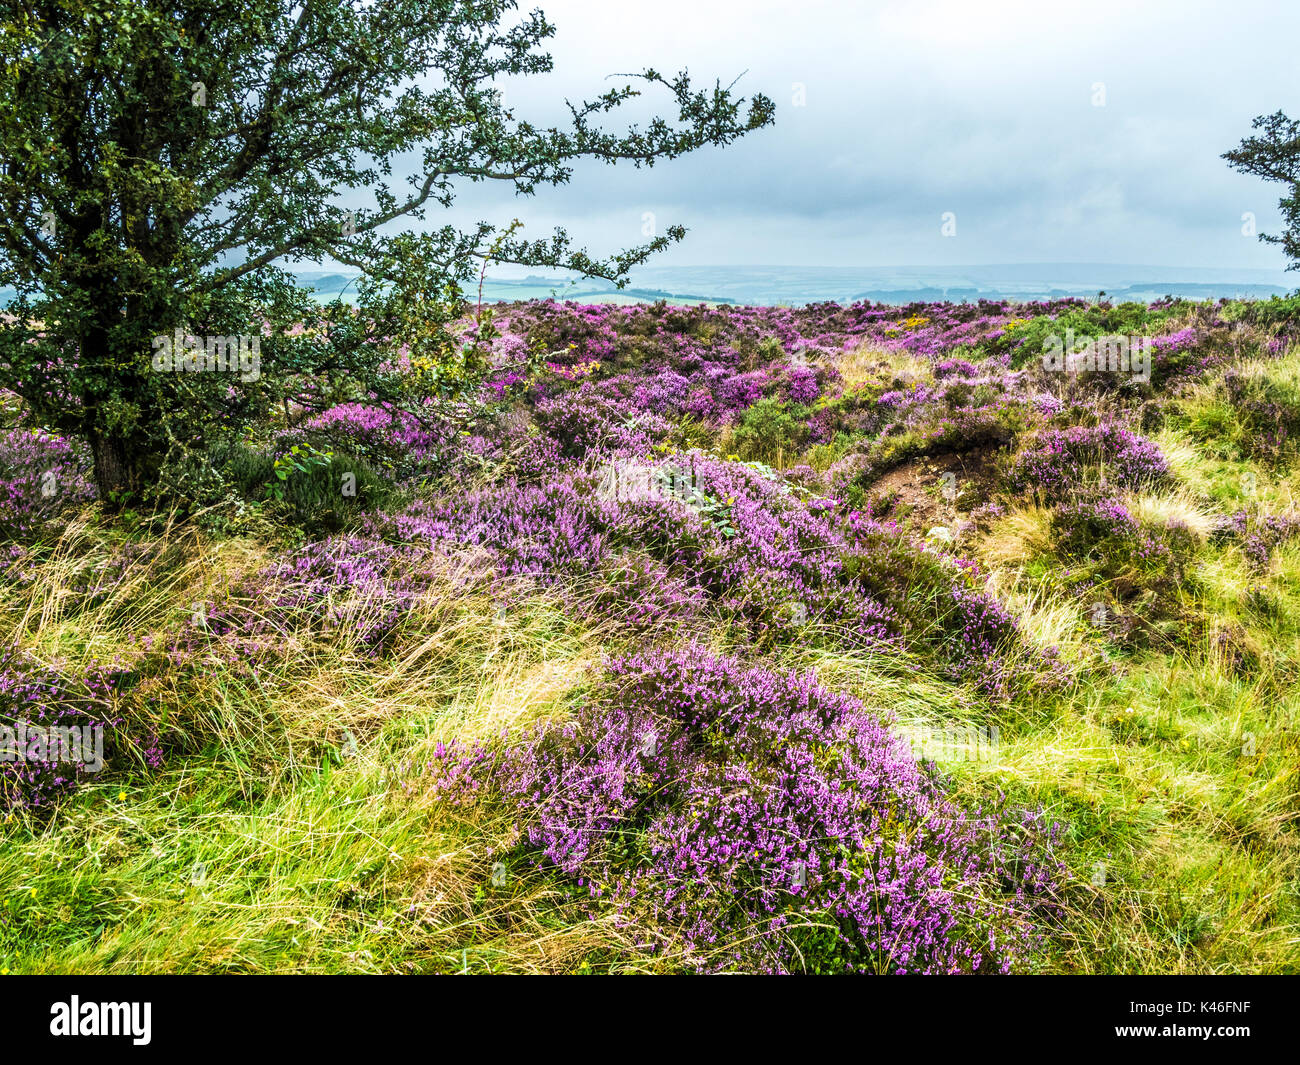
[{"x": 1053, "y": 131}]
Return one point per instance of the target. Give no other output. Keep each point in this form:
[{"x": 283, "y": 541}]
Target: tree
[
  {"x": 1274, "y": 154},
  {"x": 163, "y": 160}
]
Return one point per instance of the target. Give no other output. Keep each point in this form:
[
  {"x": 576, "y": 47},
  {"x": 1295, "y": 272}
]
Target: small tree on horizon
[
  {"x": 158, "y": 161},
  {"x": 1274, "y": 154}
]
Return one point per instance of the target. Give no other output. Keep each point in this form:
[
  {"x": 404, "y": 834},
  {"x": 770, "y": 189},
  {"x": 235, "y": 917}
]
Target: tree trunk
[{"x": 116, "y": 475}]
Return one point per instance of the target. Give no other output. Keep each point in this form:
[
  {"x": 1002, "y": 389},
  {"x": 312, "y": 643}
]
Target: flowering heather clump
[
  {"x": 1175, "y": 343},
  {"x": 1258, "y": 534},
  {"x": 536, "y": 530},
  {"x": 1060, "y": 459},
  {"x": 641, "y": 592},
  {"x": 535, "y": 459},
  {"x": 40, "y": 476},
  {"x": 752, "y": 820},
  {"x": 741, "y": 540},
  {"x": 34, "y": 697},
  {"x": 387, "y": 438},
  {"x": 663, "y": 393},
  {"x": 984, "y": 633},
  {"x": 1105, "y": 542},
  {"x": 348, "y": 584},
  {"x": 1268, "y": 413},
  {"x": 758, "y": 551},
  {"x": 802, "y": 386},
  {"x": 954, "y": 368},
  {"x": 584, "y": 420},
  {"x": 1099, "y": 527},
  {"x": 735, "y": 394}
]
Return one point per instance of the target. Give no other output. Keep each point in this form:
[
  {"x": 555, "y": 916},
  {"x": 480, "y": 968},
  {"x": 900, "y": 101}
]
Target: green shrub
[
  {"x": 326, "y": 494},
  {"x": 1246, "y": 416},
  {"x": 1027, "y": 343},
  {"x": 771, "y": 427}
]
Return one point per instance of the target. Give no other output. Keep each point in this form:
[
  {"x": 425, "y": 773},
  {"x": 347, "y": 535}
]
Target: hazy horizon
[{"x": 788, "y": 284}]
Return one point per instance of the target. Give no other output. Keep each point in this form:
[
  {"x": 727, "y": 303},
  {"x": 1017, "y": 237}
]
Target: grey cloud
[{"x": 920, "y": 108}]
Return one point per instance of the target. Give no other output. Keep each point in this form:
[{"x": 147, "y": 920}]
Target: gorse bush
[
  {"x": 741, "y": 819},
  {"x": 1026, "y": 343}
]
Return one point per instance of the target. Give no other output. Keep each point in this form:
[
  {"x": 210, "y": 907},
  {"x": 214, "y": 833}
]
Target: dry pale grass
[
  {"x": 1046, "y": 620},
  {"x": 1184, "y": 459},
  {"x": 867, "y": 362},
  {"x": 1021, "y": 534},
  {"x": 1178, "y": 507}
]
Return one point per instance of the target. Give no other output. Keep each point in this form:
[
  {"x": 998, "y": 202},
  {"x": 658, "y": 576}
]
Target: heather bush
[
  {"x": 537, "y": 530},
  {"x": 584, "y": 421},
  {"x": 535, "y": 458},
  {"x": 391, "y": 440},
  {"x": 1141, "y": 567},
  {"x": 1258, "y": 533},
  {"x": 736, "y": 818},
  {"x": 35, "y": 699},
  {"x": 579, "y": 333},
  {"x": 641, "y": 592},
  {"x": 356, "y": 588},
  {"x": 41, "y": 476},
  {"x": 1104, "y": 532},
  {"x": 804, "y": 385},
  {"x": 664, "y": 393},
  {"x": 1265, "y": 412},
  {"x": 1057, "y": 460}
]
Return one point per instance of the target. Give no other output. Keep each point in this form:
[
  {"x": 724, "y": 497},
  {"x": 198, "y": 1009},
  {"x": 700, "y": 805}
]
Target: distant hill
[{"x": 800, "y": 285}]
